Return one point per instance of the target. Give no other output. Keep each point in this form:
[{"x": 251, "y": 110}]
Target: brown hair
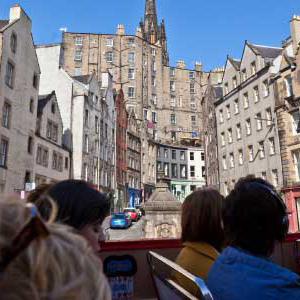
[{"x": 201, "y": 218}]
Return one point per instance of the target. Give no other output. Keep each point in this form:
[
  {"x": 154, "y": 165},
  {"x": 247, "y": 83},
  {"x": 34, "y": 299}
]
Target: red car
[{"x": 132, "y": 213}]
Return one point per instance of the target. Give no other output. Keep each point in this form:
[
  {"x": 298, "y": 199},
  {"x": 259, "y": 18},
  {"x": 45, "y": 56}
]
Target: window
[
  {"x": 221, "y": 116},
  {"x": 31, "y": 105},
  {"x": 183, "y": 171},
  {"x": 193, "y": 121},
  {"x": 224, "y": 162},
  {"x": 248, "y": 126},
  {"x": 202, "y": 156},
  {"x": 226, "y": 189},
  {"x": 231, "y": 160},
  {"x": 96, "y": 124},
  {"x": 228, "y": 115},
  {"x": 131, "y": 57},
  {"x": 45, "y": 155},
  {"x": 52, "y": 131},
  {"x": 173, "y": 136},
  {"x": 172, "y": 85},
  {"x": 86, "y": 143},
  {"x": 27, "y": 177},
  {"x": 145, "y": 114},
  {"x": 192, "y": 155},
  {"x": 39, "y": 155},
  {"x": 130, "y": 73},
  {"x": 78, "y": 41},
  {"x": 256, "y": 94},
  {"x": 223, "y": 139},
  {"x": 13, "y": 42},
  {"x": 250, "y": 153},
  {"x": 154, "y": 117},
  {"x": 236, "y": 106},
  {"x": 296, "y": 159},
  {"x": 271, "y": 146},
  {"x": 130, "y": 92},
  {"x": 246, "y": 100},
  {"x": 86, "y": 118},
  {"x": 289, "y": 86},
  {"x": 173, "y": 101},
  {"x": 131, "y": 42},
  {"x": 166, "y": 153},
  {"x": 109, "y": 56},
  {"x": 264, "y": 175},
  {"x": 109, "y": 42},
  {"x": 192, "y": 88},
  {"x": 269, "y": 117},
  {"x": 54, "y": 160},
  {"x": 173, "y": 154},
  {"x": 230, "y": 139},
  {"x": 203, "y": 171},
  {"x": 192, "y": 103},
  {"x": 258, "y": 121},
  {"x": 275, "y": 178},
  {"x": 191, "y": 75},
  {"x": 244, "y": 75},
  {"x": 153, "y": 83},
  {"x": 78, "y": 55},
  {"x": 241, "y": 157},
  {"x": 9, "y": 75},
  {"x": 238, "y": 131},
  {"x": 30, "y": 145},
  {"x": 6, "y": 115},
  {"x": 174, "y": 170},
  {"x": 173, "y": 119},
  {"x": 172, "y": 72},
  {"x": 179, "y": 102},
  {"x": 85, "y": 171},
  {"x": 182, "y": 155},
  {"x": 53, "y": 108},
  {"x": 35, "y": 81},
  {"x": 266, "y": 90},
  {"x": 153, "y": 51},
  {"x": 295, "y": 122},
  {"x": 261, "y": 149},
  {"x": 192, "y": 171},
  {"x": 226, "y": 88},
  {"x": 234, "y": 82},
  {"x": 253, "y": 68},
  {"x": 3, "y": 152},
  {"x": 166, "y": 169}
]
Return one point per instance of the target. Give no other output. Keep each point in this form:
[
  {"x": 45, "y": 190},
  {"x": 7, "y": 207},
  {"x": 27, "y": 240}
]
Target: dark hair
[
  {"x": 253, "y": 216},
  {"x": 37, "y": 193},
  {"x": 201, "y": 218},
  {"x": 78, "y": 203}
]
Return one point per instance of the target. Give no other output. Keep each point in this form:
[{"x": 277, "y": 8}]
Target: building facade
[
  {"x": 51, "y": 159},
  {"x": 19, "y": 85},
  {"x": 248, "y": 142}
]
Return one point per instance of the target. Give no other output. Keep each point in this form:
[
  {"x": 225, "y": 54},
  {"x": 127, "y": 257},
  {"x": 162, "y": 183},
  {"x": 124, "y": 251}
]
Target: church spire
[{"x": 150, "y": 22}]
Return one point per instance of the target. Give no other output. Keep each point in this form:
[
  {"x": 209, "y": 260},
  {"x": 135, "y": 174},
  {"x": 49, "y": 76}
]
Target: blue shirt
[{"x": 238, "y": 275}]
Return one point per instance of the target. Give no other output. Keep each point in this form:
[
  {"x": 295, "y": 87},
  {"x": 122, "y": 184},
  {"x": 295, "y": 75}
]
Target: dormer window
[
  {"x": 53, "y": 108},
  {"x": 253, "y": 68},
  {"x": 244, "y": 75}
]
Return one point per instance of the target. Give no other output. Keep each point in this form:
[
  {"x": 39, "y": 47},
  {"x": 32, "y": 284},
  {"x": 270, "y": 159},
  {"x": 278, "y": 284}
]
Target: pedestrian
[
  {"x": 78, "y": 205},
  {"x": 202, "y": 235},
  {"x": 42, "y": 261}
]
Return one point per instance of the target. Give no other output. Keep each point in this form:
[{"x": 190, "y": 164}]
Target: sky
[{"x": 197, "y": 30}]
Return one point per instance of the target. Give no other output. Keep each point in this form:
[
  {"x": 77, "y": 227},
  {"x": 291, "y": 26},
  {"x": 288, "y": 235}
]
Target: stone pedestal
[{"x": 162, "y": 213}]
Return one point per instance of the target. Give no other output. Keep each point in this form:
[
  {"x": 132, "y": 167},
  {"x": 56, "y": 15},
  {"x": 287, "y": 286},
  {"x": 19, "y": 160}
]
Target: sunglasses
[{"x": 32, "y": 230}]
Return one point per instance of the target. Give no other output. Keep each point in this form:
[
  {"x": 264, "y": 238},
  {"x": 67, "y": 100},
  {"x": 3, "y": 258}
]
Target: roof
[
  {"x": 85, "y": 79},
  {"x": 265, "y": 51},
  {"x": 3, "y": 23},
  {"x": 42, "y": 102},
  {"x": 235, "y": 62}
]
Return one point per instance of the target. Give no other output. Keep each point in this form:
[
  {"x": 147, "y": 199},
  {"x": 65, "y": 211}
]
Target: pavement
[{"x": 134, "y": 232}]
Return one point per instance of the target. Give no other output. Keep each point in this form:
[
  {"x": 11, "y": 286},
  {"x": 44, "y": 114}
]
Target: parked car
[
  {"x": 132, "y": 212},
  {"x": 120, "y": 220}
]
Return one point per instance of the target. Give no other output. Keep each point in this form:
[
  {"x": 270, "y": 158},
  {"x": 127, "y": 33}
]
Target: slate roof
[
  {"x": 3, "y": 23},
  {"x": 266, "y": 52},
  {"x": 236, "y": 63},
  {"x": 83, "y": 78}
]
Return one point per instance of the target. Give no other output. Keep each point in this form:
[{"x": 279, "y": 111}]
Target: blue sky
[{"x": 196, "y": 29}]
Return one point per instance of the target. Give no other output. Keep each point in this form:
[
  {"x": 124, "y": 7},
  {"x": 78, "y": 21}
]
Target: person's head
[
  {"x": 53, "y": 262},
  {"x": 254, "y": 216},
  {"x": 201, "y": 217},
  {"x": 78, "y": 205}
]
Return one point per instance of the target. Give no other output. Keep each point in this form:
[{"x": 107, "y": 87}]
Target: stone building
[
  {"x": 51, "y": 158},
  {"x": 211, "y": 94},
  {"x": 247, "y": 132},
  {"x": 288, "y": 117},
  {"x": 133, "y": 161},
  {"x": 19, "y": 85}
]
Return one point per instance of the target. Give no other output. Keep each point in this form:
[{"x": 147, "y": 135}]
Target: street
[{"x": 134, "y": 232}]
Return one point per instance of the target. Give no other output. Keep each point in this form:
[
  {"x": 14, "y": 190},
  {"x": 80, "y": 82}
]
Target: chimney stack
[
  {"x": 181, "y": 64},
  {"x": 120, "y": 29},
  {"x": 295, "y": 32},
  {"x": 198, "y": 66}
]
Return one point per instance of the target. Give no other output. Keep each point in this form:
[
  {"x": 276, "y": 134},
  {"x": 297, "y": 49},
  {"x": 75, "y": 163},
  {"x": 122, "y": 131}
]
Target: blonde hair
[{"x": 59, "y": 267}]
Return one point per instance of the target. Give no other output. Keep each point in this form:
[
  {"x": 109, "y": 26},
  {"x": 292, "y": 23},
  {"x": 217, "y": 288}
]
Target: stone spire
[{"x": 150, "y": 22}]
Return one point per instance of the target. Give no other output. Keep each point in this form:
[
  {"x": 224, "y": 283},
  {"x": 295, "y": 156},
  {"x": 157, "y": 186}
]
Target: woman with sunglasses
[{"x": 78, "y": 205}]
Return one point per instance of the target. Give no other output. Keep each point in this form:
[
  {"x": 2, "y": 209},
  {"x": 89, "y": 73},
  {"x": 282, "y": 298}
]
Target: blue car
[{"x": 120, "y": 220}]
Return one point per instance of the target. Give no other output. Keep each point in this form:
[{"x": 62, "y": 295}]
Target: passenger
[
  {"x": 254, "y": 218},
  {"x": 45, "y": 261},
  {"x": 79, "y": 205},
  {"x": 202, "y": 235}
]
